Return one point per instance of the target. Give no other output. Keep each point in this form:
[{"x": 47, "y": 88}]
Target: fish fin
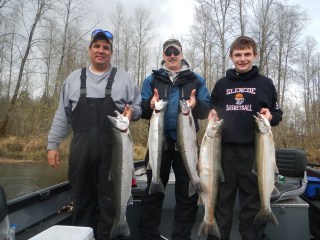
[
  {"x": 156, "y": 187},
  {"x": 130, "y": 200},
  {"x": 265, "y": 217},
  {"x": 221, "y": 175},
  {"x": 211, "y": 229},
  {"x": 193, "y": 189},
  {"x": 148, "y": 166},
  {"x": 190, "y": 122},
  {"x": 110, "y": 176},
  {"x": 200, "y": 201},
  {"x": 275, "y": 195},
  {"x": 275, "y": 192},
  {"x": 254, "y": 168},
  {"x": 130, "y": 137},
  {"x": 120, "y": 229}
]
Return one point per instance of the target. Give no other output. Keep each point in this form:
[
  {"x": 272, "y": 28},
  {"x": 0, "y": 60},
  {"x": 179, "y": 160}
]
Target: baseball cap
[
  {"x": 99, "y": 33},
  {"x": 172, "y": 43}
]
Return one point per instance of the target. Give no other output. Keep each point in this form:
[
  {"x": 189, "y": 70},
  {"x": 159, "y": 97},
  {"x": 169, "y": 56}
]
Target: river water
[{"x": 21, "y": 179}]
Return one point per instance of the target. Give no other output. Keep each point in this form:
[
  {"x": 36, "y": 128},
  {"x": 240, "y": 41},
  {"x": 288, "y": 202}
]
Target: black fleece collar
[{"x": 232, "y": 74}]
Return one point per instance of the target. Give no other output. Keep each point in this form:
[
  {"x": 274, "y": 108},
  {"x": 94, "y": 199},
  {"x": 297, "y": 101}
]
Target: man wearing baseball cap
[
  {"x": 173, "y": 82},
  {"x": 88, "y": 96},
  {"x": 172, "y": 43}
]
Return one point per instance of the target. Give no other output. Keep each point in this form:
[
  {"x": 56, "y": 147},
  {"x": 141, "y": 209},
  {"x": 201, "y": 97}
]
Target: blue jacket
[{"x": 173, "y": 92}]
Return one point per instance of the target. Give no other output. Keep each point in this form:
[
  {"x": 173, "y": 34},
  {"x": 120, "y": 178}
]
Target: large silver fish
[
  {"x": 265, "y": 167},
  {"x": 210, "y": 173},
  {"x": 121, "y": 172},
  {"x": 155, "y": 145},
  {"x": 187, "y": 144}
]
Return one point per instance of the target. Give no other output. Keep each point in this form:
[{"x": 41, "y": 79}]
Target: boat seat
[
  {"x": 291, "y": 164},
  {"x": 4, "y": 218}
]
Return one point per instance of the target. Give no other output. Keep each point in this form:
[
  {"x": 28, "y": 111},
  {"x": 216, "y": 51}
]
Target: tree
[
  {"x": 222, "y": 26},
  {"x": 203, "y": 39},
  {"x": 39, "y": 7},
  {"x": 49, "y": 56},
  {"x": 73, "y": 13},
  {"x": 242, "y": 16},
  {"x": 141, "y": 37},
  {"x": 264, "y": 27},
  {"x": 117, "y": 19},
  {"x": 290, "y": 24},
  {"x": 309, "y": 73}
]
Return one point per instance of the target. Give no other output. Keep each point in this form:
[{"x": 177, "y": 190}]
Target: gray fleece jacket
[{"x": 124, "y": 91}]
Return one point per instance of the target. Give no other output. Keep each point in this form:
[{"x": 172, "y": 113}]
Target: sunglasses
[
  {"x": 108, "y": 34},
  {"x": 169, "y": 51}
]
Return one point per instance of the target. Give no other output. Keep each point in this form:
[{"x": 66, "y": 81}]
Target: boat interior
[{"x": 38, "y": 211}]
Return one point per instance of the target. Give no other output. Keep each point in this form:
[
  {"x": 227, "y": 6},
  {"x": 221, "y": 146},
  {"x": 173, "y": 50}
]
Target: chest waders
[{"x": 90, "y": 160}]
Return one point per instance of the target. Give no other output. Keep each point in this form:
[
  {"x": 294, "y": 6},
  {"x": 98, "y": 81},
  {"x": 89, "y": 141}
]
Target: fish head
[
  {"x": 185, "y": 109},
  {"x": 214, "y": 128},
  {"x": 160, "y": 105},
  {"x": 262, "y": 124},
  {"x": 119, "y": 122}
]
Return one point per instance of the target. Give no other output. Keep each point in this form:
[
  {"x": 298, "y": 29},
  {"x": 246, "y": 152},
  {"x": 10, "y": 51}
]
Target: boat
[{"x": 298, "y": 216}]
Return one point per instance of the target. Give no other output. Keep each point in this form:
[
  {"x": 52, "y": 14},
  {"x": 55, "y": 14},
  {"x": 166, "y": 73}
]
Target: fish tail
[
  {"x": 120, "y": 229},
  {"x": 156, "y": 187},
  {"x": 265, "y": 217},
  {"x": 209, "y": 229}
]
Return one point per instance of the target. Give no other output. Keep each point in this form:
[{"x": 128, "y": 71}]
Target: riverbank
[
  {"x": 32, "y": 149},
  {"x": 16, "y": 162}
]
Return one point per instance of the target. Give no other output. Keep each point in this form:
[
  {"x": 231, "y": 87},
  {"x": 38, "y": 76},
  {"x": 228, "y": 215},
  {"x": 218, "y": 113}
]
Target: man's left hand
[{"x": 266, "y": 113}]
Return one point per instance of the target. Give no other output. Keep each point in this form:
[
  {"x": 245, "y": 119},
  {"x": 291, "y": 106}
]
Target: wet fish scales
[
  {"x": 187, "y": 144},
  {"x": 210, "y": 173},
  {"x": 266, "y": 168},
  {"x": 121, "y": 173}
]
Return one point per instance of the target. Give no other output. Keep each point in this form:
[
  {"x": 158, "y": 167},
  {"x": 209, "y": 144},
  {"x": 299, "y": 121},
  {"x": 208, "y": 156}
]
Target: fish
[
  {"x": 155, "y": 145},
  {"x": 187, "y": 144},
  {"x": 266, "y": 168},
  {"x": 210, "y": 174},
  {"x": 121, "y": 172}
]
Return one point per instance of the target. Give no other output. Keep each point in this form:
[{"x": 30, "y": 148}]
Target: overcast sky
[
  {"x": 312, "y": 8},
  {"x": 173, "y": 18},
  {"x": 170, "y": 17}
]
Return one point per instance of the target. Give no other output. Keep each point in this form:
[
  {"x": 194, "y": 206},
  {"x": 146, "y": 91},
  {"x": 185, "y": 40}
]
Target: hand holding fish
[
  {"x": 120, "y": 122},
  {"x": 192, "y": 101},
  {"x": 154, "y": 99},
  {"x": 213, "y": 115},
  {"x": 127, "y": 111},
  {"x": 266, "y": 113}
]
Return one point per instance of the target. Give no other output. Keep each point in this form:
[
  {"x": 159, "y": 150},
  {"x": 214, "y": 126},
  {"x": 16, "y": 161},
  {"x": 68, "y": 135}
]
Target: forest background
[{"x": 43, "y": 41}]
